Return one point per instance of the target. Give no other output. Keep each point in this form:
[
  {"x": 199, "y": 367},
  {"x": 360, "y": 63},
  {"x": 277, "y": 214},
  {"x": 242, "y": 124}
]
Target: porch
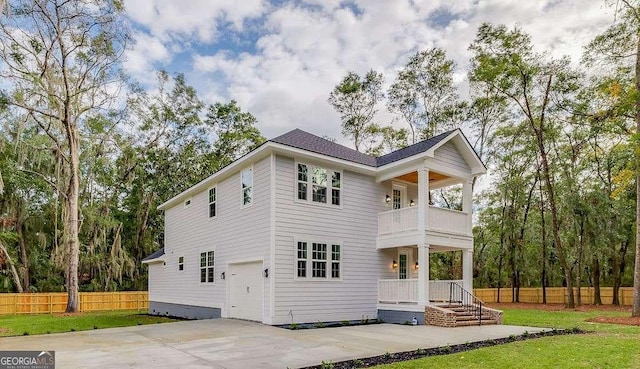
[{"x": 405, "y": 291}]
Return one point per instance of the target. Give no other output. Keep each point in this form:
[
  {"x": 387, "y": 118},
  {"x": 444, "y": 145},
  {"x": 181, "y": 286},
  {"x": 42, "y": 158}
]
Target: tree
[
  {"x": 355, "y": 99},
  {"x": 61, "y": 61},
  {"x": 235, "y": 130},
  {"x": 620, "y": 45},
  {"x": 504, "y": 61},
  {"x": 424, "y": 95}
]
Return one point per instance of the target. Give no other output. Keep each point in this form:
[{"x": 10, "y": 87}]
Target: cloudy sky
[{"x": 280, "y": 59}]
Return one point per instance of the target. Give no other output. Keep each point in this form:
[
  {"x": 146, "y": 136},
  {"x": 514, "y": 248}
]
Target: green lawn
[
  {"x": 18, "y": 325},
  {"x": 608, "y": 346}
]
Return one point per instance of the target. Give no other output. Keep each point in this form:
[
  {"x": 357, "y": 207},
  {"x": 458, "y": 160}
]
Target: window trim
[
  {"x": 309, "y": 182},
  {"x": 309, "y": 260},
  {"x": 206, "y": 267},
  {"x": 215, "y": 201},
  {"x": 242, "y": 204}
]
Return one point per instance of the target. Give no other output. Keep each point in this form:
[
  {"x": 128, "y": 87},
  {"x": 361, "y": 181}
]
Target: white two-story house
[{"x": 304, "y": 230}]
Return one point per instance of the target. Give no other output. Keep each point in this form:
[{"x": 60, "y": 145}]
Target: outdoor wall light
[
  {"x": 387, "y": 199},
  {"x": 394, "y": 264},
  {"x": 412, "y": 203},
  {"x": 265, "y": 273},
  {"x": 417, "y": 265},
  {"x": 222, "y": 275}
]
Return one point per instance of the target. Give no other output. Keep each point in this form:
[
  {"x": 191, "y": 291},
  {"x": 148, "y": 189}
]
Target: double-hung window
[
  {"x": 318, "y": 184},
  {"x": 181, "y": 263},
  {"x": 212, "y": 202},
  {"x": 207, "y": 260},
  {"x": 246, "y": 177},
  {"x": 318, "y": 260}
]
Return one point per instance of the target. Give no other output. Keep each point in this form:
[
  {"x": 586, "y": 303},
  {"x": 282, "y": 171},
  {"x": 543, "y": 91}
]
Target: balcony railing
[
  {"x": 398, "y": 291},
  {"x": 447, "y": 220},
  {"x": 439, "y": 219}
]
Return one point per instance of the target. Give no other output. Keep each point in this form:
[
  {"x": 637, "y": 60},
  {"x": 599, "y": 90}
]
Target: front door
[{"x": 403, "y": 265}]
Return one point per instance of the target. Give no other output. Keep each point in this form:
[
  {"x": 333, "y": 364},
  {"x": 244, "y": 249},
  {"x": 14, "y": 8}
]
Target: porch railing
[
  {"x": 400, "y": 220},
  {"x": 467, "y": 300},
  {"x": 440, "y": 290},
  {"x": 396, "y": 291}
]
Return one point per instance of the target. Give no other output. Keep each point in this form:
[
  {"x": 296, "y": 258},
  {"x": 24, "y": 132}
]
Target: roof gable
[{"x": 412, "y": 150}]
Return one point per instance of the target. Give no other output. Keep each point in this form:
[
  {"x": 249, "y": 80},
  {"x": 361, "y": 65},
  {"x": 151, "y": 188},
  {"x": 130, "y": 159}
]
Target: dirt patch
[
  {"x": 559, "y": 307},
  {"x": 390, "y": 358},
  {"x": 4, "y": 330},
  {"x": 624, "y": 320}
]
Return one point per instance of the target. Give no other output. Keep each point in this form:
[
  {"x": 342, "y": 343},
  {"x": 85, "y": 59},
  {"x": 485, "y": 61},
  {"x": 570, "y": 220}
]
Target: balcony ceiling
[{"x": 413, "y": 177}]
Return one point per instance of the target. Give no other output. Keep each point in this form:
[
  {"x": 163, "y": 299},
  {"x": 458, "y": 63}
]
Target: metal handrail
[{"x": 469, "y": 302}]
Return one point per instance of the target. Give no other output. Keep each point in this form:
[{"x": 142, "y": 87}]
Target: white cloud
[{"x": 302, "y": 51}]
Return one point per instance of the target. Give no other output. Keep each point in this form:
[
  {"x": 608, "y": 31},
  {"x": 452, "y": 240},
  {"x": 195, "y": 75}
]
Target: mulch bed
[
  {"x": 625, "y": 320},
  {"x": 389, "y": 358},
  {"x": 559, "y": 307}
]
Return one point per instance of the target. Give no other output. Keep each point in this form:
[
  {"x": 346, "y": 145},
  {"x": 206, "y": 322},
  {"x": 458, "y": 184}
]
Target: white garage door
[{"x": 246, "y": 291}]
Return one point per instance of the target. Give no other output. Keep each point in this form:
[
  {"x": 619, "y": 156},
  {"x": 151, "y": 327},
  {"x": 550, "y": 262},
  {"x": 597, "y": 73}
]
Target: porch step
[
  {"x": 468, "y": 323},
  {"x": 465, "y": 318}
]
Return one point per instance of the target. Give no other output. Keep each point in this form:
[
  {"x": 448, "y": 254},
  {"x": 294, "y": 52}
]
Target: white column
[
  {"x": 467, "y": 202},
  {"x": 423, "y": 274},
  {"x": 467, "y": 270},
  {"x": 423, "y": 198}
]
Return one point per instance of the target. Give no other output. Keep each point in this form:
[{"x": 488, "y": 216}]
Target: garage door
[{"x": 246, "y": 291}]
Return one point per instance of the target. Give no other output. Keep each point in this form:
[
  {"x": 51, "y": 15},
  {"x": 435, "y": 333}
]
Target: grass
[
  {"x": 19, "y": 325},
  {"x": 607, "y": 346}
]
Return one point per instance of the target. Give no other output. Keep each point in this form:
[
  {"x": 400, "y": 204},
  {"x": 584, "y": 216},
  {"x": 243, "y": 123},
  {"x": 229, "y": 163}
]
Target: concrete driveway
[{"x": 227, "y": 343}]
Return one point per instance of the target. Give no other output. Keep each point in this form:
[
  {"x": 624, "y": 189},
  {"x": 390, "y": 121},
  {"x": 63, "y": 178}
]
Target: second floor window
[
  {"x": 318, "y": 184},
  {"x": 246, "y": 178},
  {"x": 212, "y": 202}
]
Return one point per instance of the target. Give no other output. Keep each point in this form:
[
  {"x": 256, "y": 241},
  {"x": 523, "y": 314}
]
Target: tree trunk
[
  {"x": 71, "y": 222},
  {"x": 635, "y": 310},
  {"x": 12, "y": 268},
  {"x": 24, "y": 257},
  {"x": 544, "y": 245},
  {"x": 555, "y": 224},
  {"x": 579, "y": 262},
  {"x": 597, "y": 299}
]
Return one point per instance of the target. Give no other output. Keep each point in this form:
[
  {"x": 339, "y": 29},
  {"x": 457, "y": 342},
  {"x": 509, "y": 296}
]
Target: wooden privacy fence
[
  {"x": 56, "y": 302},
  {"x": 555, "y": 295}
]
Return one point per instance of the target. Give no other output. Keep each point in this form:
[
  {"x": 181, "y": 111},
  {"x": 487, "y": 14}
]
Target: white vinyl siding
[
  {"x": 189, "y": 231},
  {"x": 449, "y": 156},
  {"x": 352, "y": 225}
]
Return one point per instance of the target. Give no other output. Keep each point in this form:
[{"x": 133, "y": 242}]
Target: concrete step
[{"x": 467, "y": 323}]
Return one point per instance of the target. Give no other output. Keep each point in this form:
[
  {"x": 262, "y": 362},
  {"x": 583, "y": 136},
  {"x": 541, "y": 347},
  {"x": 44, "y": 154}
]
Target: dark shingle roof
[
  {"x": 155, "y": 255},
  {"x": 414, "y": 149},
  {"x": 309, "y": 142}
]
